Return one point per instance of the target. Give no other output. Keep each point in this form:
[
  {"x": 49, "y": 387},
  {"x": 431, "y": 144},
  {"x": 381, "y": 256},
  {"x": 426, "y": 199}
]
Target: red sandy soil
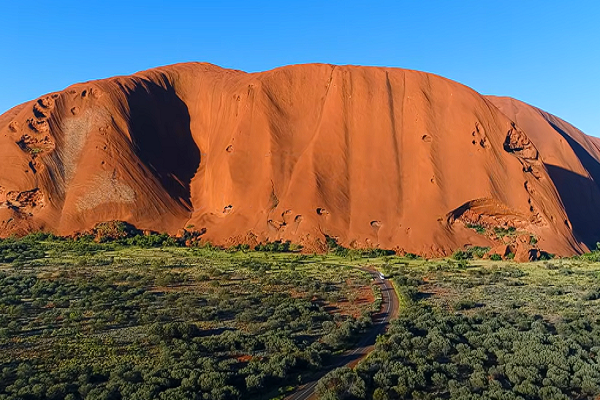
[
  {"x": 375, "y": 157},
  {"x": 362, "y": 298}
]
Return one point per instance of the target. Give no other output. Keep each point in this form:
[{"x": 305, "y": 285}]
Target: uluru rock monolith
[{"x": 373, "y": 157}]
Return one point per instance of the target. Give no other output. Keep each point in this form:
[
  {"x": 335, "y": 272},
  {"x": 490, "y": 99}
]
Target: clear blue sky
[{"x": 546, "y": 53}]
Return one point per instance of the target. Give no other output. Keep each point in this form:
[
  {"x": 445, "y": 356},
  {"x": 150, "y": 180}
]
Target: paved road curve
[{"x": 388, "y": 311}]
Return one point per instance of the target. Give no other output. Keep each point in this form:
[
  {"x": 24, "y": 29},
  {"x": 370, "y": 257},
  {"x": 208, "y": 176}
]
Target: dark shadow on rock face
[
  {"x": 591, "y": 165},
  {"x": 581, "y": 198},
  {"x": 159, "y": 124},
  {"x": 580, "y": 194}
]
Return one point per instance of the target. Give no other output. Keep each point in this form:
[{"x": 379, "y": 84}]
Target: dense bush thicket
[
  {"x": 40, "y": 245},
  {"x": 335, "y": 248},
  {"x": 12, "y": 250},
  {"x": 592, "y": 256},
  {"x": 35, "y": 245},
  {"x": 431, "y": 354},
  {"x": 470, "y": 253}
]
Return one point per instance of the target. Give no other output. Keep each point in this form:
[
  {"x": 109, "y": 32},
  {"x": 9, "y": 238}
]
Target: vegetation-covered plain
[
  {"x": 479, "y": 329},
  {"x": 142, "y": 317},
  {"x": 118, "y": 320}
]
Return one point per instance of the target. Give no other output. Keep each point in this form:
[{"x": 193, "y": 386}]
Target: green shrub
[
  {"x": 480, "y": 229},
  {"x": 501, "y": 232},
  {"x": 470, "y": 252}
]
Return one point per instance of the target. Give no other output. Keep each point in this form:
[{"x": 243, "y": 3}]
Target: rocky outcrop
[{"x": 373, "y": 157}]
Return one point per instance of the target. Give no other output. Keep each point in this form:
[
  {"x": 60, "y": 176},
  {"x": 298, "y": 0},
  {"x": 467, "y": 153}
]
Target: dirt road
[{"x": 389, "y": 310}]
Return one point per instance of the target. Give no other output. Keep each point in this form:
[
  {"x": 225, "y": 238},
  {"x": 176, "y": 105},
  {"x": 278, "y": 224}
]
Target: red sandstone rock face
[{"x": 375, "y": 157}]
